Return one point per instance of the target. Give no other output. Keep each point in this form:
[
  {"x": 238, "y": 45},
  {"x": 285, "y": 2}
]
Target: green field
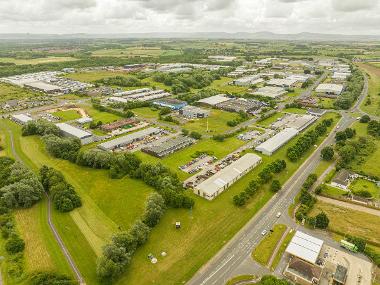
[
  {"x": 96, "y": 115},
  {"x": 68, "y": 115},
  {"x": 264, "y": 250},
  {"x": 348, "y": 221},
  {"x": 333, "y": 191},
  {"x": 270, "y": 120},
  {"x": 91, "y": 76},
  {"x": 12, "y": 92},
  {"x": 322, "y": 166},
  {"x": 41, "y": 60},
  {"x": 146, "y": 112},
  {"x": 373, "y": 72},
  {"x": 222, "y": 86},
  {"x": 239, "y": 279},
  {"x": 136, "y": 52},
  {"x": 365, "y": 185}
]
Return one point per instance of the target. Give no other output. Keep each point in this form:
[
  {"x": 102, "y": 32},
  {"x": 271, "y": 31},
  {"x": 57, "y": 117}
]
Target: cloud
[{"x": 353, "y": 5}]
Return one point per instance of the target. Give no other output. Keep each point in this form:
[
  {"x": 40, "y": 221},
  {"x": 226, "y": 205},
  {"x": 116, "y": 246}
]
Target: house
[
  {"x": 219, "y": 182},
  {"x": 343, "y": 179}
]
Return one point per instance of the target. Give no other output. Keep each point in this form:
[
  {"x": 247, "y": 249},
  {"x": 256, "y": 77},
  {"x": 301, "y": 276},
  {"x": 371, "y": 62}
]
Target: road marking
[{"x": 216, "y": 271}]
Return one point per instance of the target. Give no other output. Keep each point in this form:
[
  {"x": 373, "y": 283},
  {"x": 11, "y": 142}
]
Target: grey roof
[
  {"x": 327, "y": 87},
  {"x": 340, "y": 274},
  {"x": 342, "y": 177},
  {"x": 213, "y": 100},
  {"x": 228, "y": 174},
  {"x": 43, "y": 86},
  {"x": 73, "y": 131},
  {"x": 275, "y": 142},
  {"x": 22, "y": 118},
  {"x": 305, "y": 247},
  {"x": 124, "y": 140}
]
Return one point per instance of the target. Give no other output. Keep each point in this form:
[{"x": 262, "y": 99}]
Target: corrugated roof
[
  {"x": 305, "y": 247},
  {"x": 275, "y": 142},
  {"x": 22, "y": 118},
  {"x": 73, "y": 131},
  {"x": 213, "y": 100}
]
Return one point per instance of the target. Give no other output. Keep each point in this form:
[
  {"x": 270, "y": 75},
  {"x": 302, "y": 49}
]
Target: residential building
[{"x": 343, "y": 179}]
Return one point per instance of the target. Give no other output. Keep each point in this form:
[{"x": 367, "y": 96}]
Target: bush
[
  {"x": 14, "y": 244},
  {"x": 50, "y": 278},
  {"x": 365, "y": 119},
  {"x": 275, "y": 186},
  {"x": 322, "y": 221},
  {"x": 195, "y": 135}
]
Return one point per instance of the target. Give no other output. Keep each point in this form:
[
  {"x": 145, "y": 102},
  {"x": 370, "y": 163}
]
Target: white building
[
  {"x": 84, "y": 120},
  {"x": 299, "y": 77},
  {"x": 340, "y": 75},
  {"x": 213, "y": 100},
  {"x": 270, "y": 91},
  {"x": 329, "y": 89},
  {"x": 286, "y": 82},
  {"x": 222, "y": 58},
  {"x": 21, "y": 119},
  {"x": 274, "y": 143},
  {"x": 71, "y": 131},
  {"x": 223, "y": 179},
  {"x": 305, "y": 247},
  {"x": 248, "y": 80},
  {"x": 193, "y": 112}
]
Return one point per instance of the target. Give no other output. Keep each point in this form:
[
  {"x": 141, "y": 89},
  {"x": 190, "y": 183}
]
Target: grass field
[
  {"x": 373, "y": 72},
  {"x": 146, "y": 112},
  {"x": 96, "y": 115},
  {"x": 365, "y": 185},
  {"x": 348, "y": 221},
  {"x": 136, "y": 52},
  {"x": 264, "y": 250},
  {"x": 41, "y": 60},
  {"x": 326, "y": 103},
  {"x": 222, "y": 86},
  {"x": 11, "y": 92},
  {"x": 91, "y": 76},
  {"x": 333, "y": 191},
  {"x": 282, "y": 248},
  {"x": 266, "y": 122},
  {"x": 322, "y": 166},
  {"x": 68, "y": 115}
]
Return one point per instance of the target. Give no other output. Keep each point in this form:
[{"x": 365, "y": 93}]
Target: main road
[{"x": 236, "y": 254}]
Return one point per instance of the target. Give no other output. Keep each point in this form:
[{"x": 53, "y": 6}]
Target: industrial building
[
  {"x": 213, "y": 100},
  {"x": 224, "y": 178},
  {"x": 274, "y": 143},
  {"x": 285, "y": 82},
  {"x": 45, "y": 87},
  {"x": 169, "y": 146},
  {"x": 248, "y": 80},
  {"x": 128, "y": 139},
  {"x": 118, "y": 124},
  {"x": 84, "y": 120},
  {"x": 142, "y": 94},
  {"x": 21, "y": 118},
  {"x": 173, "y": 104},
  {"x": 222, "y": 58},
  {"x": 328, "y": 89},
  {"x": 241, "y": 104},
  {"x": 299, "y": 77},
  {"x": 340, "y": 75},
  {"x": 296, "y": 121},
  {"x": 71, "y": 131},
  {"x": 270, "y": 91},
  {"x": 192, "y": 112}
]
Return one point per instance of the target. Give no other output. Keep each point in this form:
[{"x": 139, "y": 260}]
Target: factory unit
[
  {"x": 40, "y": 86},
  {"x": 143, "y": 94},
  {"x": 286, "y": 82},
  {"x": 192, "y": 112},
  {"x": 128, "y": 139},
  {"x": 340, "y": 75},
  {"x": 71, "y": 131},
  {"x": 248, "y": 80},
  {"x": 169, "y": 146},
  {"x": 21, "y": 119},
  {"x": 296, "y": 121},
  {"x": 84, "y": 120},
  {"x": 241, "y": 104},
  {"x": 118, "y": 124},
  {"x": 270, "y": 91},
  {"x": 214, "y": 100},
  {"x": 274, "y": 143},
  {"x": 329, "y": 90},
  {"x": 299, "y": 77},
  {"x": 224, "y": 178},
  {"x": 222, "y": 58},
  {"x": 173, "y": 104}
]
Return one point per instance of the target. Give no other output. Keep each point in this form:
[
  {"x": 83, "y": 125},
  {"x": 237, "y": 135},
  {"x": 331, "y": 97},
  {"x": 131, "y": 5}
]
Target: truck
[{"x": 348, "y": 245}]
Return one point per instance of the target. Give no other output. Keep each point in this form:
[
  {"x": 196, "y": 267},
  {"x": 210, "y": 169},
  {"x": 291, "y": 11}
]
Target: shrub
[{"x": 14, "y": 244}]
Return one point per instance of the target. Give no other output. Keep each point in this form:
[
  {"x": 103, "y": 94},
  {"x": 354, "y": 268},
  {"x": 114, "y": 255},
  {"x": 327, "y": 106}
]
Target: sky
[{"x": 142, "y": 16}]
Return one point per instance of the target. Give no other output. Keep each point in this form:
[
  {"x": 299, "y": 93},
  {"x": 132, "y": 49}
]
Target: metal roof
[
  {"x": 305, "y": 247},
  {"x": 43, "y": 86},
  {"x": 324, "y": 87},
  {"x": 76, "y": 132},
  {"x": 228, "y": 174},
  {"x": 275, "y": 142},
  {"x": 22, "y": 118},
  {"x": 213, "y": 100}
]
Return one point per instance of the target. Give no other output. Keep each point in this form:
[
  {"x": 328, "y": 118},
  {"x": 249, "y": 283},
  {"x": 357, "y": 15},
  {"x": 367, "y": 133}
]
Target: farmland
[
  {"x": 136, "y": 52},
  {"x": 372, "y": 106},
  {"x": 49, "y": 59},
  {"x": 12, "y": 92}
]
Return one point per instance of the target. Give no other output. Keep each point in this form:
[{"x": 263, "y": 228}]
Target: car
[
  {"x": 264, "y": 232},
  {"x": 278, "y": 215}
]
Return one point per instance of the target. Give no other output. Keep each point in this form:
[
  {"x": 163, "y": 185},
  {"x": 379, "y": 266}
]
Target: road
[
  {"x": 235, "y": 257},
  {"x": 52, "y": 227}
]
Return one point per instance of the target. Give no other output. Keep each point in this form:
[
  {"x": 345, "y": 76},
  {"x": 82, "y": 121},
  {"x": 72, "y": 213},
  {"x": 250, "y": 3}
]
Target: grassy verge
[
  {"x": 264, "y": 250},
  {"x": 282, "y": 248},
  {"x": 240, "y": 278},
  {"x": 373, "y": 89}
]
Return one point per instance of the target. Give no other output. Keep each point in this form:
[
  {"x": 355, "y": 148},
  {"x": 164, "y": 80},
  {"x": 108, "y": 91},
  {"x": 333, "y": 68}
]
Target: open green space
[
  {"x": 270, "y": 120},
  {"x": 333, "y": 191},
  {"x": 372, "y": 106},
  {"x": 68, "y": 115},
  {"x": 297, "y": 91},
  {"x": 365, "y": 185},
  {"x": 222, "y": 85},
  {"x": 326, "y": 103},
  {"x": 146, "y": 112},
  {"x": 350, "y": 222},
  {"x": 91, "y": 76},
  {"x": 13, "y": 92},
  {"x": 282, "y": 249},
  {"x": 136, "y": 52},
  {"x": 322, "y": 167},
  {"x": 49, "y": 59},
  {"x": 96, "y": 115},
  {"x": 264, "y": 250}
]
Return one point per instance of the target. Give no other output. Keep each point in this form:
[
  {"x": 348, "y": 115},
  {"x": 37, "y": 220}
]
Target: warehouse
[
  {"x": 287, "y": 82},
  {"x": 41, "y": 86},
  {"x": 74, "y": 132},
  {"x": 270, "y": 91},
  {"x": 241, "y": 104},
  {"x": 329, "y": 89},
  {"x": 128, "y": 139},
  {"x": 340, "y": 75},
  {"x": 223, "y": 179},
  {"x": 213, "y": 100},
  {"x": 21, "y": 119},
  {"x": 118, "y": 124},
  {"x": 274, "y": 143},
  {"x": 299, "y": 77},
  {"x": 169, "y": 146},
  {"x": 295, "y": 121},
  {"x": 192, "y": 112},
  {"x": 248, "y": 80},
  {"x": 84, "y": 120},
  {"x": 173, "y": 104}
]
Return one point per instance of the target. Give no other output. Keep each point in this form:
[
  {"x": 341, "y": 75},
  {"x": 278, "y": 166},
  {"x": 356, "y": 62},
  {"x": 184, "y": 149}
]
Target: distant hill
[{"x": 305, "y": 36}]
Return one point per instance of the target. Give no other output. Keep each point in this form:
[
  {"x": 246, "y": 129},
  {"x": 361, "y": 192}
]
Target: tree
[
  {"x": 14, "y": 244},
  {"x": 321, "y": 221},
  {"x": 275, "y": 186},
  {"x": 327, "y": 153},
  {"x": 155, "y": 208},
  {"x": 365, "y": 119},
  {"x": 340, "y": 136},
  {"x": 185, "y": 132},
  {"x": 195, "y": 135}
]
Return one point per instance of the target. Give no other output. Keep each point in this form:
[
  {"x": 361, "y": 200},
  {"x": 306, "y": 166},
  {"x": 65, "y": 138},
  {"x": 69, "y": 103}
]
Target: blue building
[{"x": 173, "y": 104}]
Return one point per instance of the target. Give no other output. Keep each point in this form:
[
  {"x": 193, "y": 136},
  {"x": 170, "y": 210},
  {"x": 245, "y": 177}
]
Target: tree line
[
  {"x": 355, "y": 83},
  {"x": 129, "y": 81}
]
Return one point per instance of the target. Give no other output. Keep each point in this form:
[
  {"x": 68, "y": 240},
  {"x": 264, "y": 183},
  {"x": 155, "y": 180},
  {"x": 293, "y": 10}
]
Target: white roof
[
  {"x": 228, "y": 174},
  {"x": 305, "y": 247},
  {"x": 76, "y": 132},
  {"x": 327, "y": 87},
  {"x": 22, "y": 118},
  {"x": 213, "y": 100},
  {"x": 282, "y": 82},
  {"x": 118, "y": 99},
  {"x": 43, "y": 86},
  {"x": 270, "y": 91},
  {"x": 84, "y": 120},
  {"x": 124, "y": 140},
  {"x": 275, "y": 142}
]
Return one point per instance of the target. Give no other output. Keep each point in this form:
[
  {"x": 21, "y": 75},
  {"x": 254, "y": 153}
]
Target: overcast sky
[{"x": 131, "y": 16}]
